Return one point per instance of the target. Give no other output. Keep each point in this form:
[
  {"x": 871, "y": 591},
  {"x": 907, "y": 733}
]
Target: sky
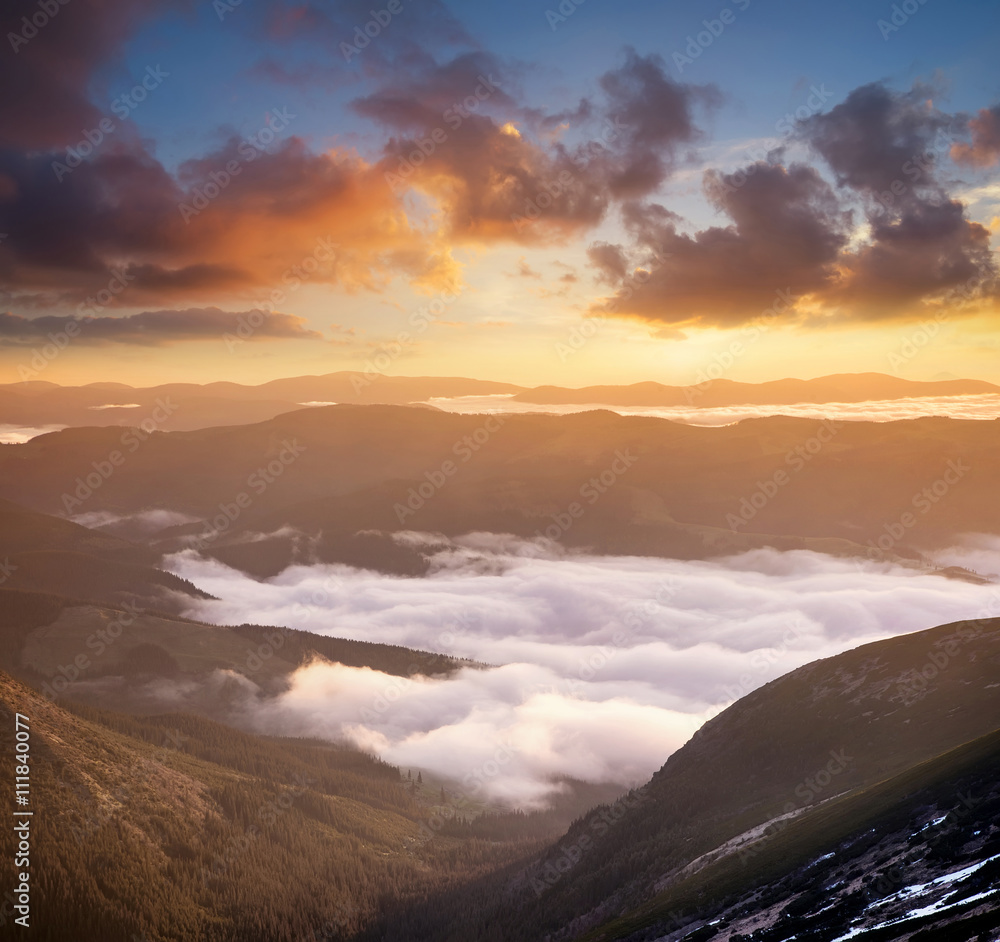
[{"x": 569, "y": 193}]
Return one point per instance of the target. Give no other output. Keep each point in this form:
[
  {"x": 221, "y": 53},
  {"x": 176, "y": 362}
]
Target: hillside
[
  {"x": 173, "y": 828},
  {"x": 914, "y": 857},
  {"x": 48, "y": 554},
  {"x": 190, "y": 830},
  {"x": 346, "y": 475},
  {"x": 752, "y": 791},
  {"x": 100, "y": 654}
]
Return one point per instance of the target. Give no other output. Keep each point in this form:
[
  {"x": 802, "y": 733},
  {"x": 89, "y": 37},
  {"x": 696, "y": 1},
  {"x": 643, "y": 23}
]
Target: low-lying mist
[
  {"x": 983, "y": 406},
  {"x": 601, "y": 666}
]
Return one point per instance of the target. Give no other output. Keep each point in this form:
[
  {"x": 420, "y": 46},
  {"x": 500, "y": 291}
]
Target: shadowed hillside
[
  {"x": 741, "y": 801},
  {"x": 343, "y": 477}
]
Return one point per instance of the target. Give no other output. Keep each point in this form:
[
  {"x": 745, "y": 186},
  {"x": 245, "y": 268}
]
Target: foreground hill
[
  {"x": 175, "y": 828},
  {"x": 781, "y": 778},
  {"x": 346, "y": 476}
]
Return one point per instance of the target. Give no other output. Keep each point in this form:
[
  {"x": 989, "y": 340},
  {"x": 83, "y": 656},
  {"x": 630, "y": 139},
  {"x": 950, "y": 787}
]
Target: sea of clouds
[
  {"x": 980, "y": 407},
  {"x": 603, "y": 666}
]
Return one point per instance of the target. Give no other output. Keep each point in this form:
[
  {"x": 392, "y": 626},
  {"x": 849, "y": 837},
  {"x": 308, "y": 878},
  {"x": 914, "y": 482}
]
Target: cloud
[
  {"x": 792, "y": 232},
  {"x": 19, "y": 434},
  {"x": 143, "y": 522},
  {"x": 886, "y": 146},
  {"x": 70, "y": 227},
  {"x": 49, "y": 73},
  {"x": 979, "y": 552},
  {"x": 984, "y": 151},
  {"x": 917, "y": 254},
  {"x": 984, "y": 406},
  {"x": 604, "y": 665},
  {"x": 154, "y": 328},
  {"x": 428, "y": 94},
  {"x": 787, "y": 230},
  {"x": 877, "y": 135},
  {"x": 524, "y": 270},
  {"x": 239, "y": 219},
  {"x": 654, "y": 114},
  {"x": 492, "y": 180},
  {"x": 411, "y": 36}
]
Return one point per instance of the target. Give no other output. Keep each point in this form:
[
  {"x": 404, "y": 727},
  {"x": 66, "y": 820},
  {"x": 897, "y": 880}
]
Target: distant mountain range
[
  {"x": 187, "y": 406},
  {"x": 349, "y": 477}
]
